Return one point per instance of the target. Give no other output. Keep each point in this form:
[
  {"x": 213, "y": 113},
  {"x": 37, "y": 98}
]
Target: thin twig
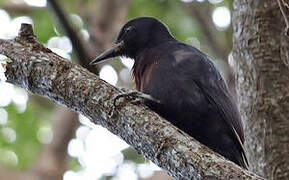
[
  {"x": 285, "y": 4},
  {"x": 81, "y": 48}
]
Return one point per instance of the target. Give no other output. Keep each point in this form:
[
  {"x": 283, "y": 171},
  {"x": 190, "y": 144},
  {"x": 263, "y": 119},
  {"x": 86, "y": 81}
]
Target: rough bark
[
  {"x": 84, "y": 50},
  {"x": 261, "y": 58},
  {"x": 42, "y": 72}
]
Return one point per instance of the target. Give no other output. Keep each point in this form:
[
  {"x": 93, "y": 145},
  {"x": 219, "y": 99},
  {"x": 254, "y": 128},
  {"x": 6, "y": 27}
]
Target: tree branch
[
  {"x": 110, "y": 15},
  {"x": 40, "y": 71},
  {"x": 85, "y": 51},
  {"x": 81, "y": 49}
]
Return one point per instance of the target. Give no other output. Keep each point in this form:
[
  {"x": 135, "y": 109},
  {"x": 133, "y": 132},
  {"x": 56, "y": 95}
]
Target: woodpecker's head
[{"x": 135, "y": 36}]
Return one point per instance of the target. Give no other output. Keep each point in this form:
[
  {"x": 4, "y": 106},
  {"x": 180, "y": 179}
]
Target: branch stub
[{"x": 26, "y": 32}]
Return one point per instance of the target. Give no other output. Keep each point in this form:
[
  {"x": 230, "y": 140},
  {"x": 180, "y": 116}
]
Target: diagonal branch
[
  {"x": 109, "y": 18},
  {"x": 85, "y": 50},
  {"x": 81, "y": 49},
  {"x": 42, "y": 72}
]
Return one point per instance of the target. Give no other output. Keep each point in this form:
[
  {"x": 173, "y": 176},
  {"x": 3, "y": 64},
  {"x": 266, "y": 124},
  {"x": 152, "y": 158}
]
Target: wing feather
[
  {"x": 213, "y": 87},
  {"x": 225, "y": 111}
]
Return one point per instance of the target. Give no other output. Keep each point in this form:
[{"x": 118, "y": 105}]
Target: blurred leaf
[
  {"x": 26, "y": 126},
  {"x": 74, "y": 165},
  {"x": 131, "y": 155}
]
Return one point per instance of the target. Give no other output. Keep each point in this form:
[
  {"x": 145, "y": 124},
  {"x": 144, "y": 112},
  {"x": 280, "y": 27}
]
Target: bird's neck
[
  {"x": 145, "y": 62},
  {"x": 147, "y": 59}
]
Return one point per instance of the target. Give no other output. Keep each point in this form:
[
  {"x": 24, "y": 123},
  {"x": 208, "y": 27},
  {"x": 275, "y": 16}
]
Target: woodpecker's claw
[{"x": 134, "y": 97}]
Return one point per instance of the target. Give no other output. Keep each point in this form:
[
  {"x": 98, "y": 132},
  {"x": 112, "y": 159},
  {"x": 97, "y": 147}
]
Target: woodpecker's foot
[{"x": 134, "y": 97}]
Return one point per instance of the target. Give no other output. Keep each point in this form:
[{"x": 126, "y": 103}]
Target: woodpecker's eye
[{"x": 128, "y": 29}]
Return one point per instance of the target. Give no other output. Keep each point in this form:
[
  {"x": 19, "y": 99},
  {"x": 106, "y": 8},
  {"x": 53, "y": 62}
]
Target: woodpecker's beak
[{"x": 113, "y": 52}]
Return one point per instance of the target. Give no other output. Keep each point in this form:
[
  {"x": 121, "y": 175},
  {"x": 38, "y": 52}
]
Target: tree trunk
[{"x": 262, "y": 74}]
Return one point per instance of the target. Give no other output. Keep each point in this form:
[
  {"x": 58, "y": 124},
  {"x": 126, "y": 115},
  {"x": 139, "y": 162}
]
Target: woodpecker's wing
[
  {"x": 193, "y": 96},
  {"x": 227, "y": 112},
  {"x": 207, "y": 78}
]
